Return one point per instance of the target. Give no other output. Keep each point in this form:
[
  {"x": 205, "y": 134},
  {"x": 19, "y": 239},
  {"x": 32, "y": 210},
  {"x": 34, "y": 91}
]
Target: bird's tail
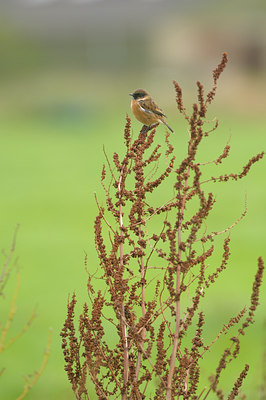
[{"x": 170, "y": 129}]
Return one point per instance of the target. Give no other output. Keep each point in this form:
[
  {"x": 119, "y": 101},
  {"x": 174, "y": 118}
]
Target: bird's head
[{"x": 139, "y": 94}]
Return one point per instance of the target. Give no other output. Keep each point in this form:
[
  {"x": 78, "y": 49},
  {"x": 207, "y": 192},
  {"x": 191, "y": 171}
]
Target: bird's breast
[{"x": 144, "y": 117}]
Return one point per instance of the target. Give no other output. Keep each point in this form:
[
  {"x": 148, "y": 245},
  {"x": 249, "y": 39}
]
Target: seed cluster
[{"x": 142, "y": 335}]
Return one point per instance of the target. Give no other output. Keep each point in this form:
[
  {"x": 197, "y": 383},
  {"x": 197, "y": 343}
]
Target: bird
[{"x": 146, "y": 110}]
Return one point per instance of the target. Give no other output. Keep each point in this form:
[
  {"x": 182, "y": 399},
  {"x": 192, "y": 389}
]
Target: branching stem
[
  {"x": 122, "y": 306},
  {"x": 177, "y": 310}
]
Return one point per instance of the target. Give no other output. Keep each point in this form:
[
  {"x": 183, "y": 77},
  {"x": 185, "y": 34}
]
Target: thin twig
[
  {"x": 204, "y": 238},
  {"x": 100, "y": 210}
]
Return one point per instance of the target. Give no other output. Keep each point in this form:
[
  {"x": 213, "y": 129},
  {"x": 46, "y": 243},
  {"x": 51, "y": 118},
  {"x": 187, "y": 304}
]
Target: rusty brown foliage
[{"x": 133, "y": 340}]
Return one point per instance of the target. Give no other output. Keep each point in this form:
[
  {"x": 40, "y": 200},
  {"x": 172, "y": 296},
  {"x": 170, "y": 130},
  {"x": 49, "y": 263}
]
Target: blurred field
[{"x": 63, "y": 94}]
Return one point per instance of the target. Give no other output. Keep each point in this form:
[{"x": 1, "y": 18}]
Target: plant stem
[
  {"x": 177, "y": 310},
  {"x": 143, "y": 307},
  {"x": 122, "y": 306}
]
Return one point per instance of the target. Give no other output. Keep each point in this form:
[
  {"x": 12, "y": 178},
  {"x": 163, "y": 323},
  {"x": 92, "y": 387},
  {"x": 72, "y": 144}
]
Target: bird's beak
[{"x": 131, "y": 94}]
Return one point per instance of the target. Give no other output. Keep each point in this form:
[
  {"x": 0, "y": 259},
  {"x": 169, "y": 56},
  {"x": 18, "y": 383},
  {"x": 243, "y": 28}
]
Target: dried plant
[
  {"x": 141, "y": 337},
  {"x": 6, "y": 341}
]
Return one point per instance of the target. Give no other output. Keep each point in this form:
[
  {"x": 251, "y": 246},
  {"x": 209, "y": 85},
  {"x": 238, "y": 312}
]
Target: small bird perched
[{"x": 146, "y": 110}]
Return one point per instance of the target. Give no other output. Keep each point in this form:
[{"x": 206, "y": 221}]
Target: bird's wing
[{"x": 149, "y": 106}]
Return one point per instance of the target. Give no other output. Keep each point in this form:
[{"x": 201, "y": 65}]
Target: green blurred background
[{"x": 66, "y": 68}]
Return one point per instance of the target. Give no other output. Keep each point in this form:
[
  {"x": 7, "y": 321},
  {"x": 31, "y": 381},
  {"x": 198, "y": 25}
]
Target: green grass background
[
  {"x": 50, "y": 167},
  {"x": 63, "y": 95}
]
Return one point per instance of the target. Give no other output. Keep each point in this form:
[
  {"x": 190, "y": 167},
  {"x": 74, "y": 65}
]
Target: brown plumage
[{"x": 146, "y": 110}]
